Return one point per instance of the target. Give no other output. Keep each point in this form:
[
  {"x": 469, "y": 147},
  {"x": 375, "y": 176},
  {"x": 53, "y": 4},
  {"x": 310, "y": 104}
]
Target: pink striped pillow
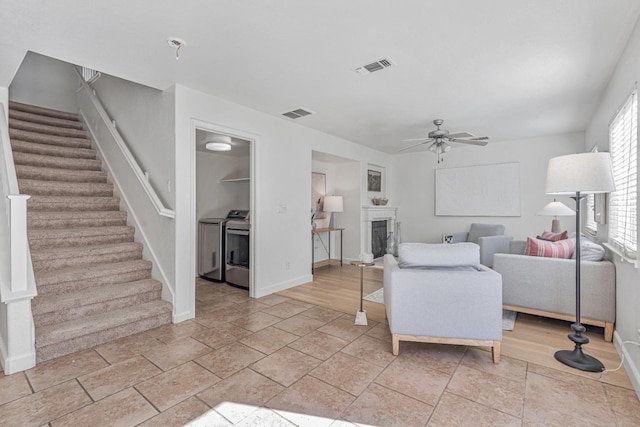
[{"x": 543, "y": 248}]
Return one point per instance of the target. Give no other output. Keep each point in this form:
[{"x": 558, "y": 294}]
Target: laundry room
[{"x": 223, "y": 199}]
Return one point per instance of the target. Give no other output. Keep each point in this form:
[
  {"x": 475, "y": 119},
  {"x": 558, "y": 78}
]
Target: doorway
[{"x": 224, "y": 165}]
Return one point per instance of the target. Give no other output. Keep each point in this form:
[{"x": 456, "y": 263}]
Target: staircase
[{"x": 93, "y": 285}]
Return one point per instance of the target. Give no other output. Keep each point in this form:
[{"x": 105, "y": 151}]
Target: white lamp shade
[
  {"x": 556, "y": 209},
  {"x": 584, "y": 173},
  {"x": 333, "y": 204}
]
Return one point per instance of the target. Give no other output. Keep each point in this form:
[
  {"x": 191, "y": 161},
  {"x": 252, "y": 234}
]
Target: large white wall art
[{"x": 485, "y": 190}]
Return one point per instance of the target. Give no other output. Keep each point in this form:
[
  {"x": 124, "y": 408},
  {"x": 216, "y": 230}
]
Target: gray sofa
[
  {"x": 546, "y": 287},
  {"x": 490, "y": 238},
  {"x": 442, "y": 294}
]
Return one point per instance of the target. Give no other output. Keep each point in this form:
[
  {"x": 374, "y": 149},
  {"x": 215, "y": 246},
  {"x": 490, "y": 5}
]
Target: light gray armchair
[
  {"x": 441, "y": 294},
  {"x": 490, "y": 238}
]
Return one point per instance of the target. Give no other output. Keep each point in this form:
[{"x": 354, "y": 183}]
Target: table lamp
[
  {"x": 333, "y": 204},
  {"x": 556, "y": 209}
]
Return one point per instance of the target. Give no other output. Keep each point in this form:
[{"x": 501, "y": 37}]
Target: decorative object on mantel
[
  {"x": 380, "y": 201},
  {"x": 577, "y": 175},
  {"x": 556, "y": 209}
]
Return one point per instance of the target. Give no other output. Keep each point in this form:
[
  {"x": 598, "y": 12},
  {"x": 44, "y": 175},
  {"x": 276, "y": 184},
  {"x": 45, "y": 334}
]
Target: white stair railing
[
  {"x": 115, "y": 136},
  {"x": 17, "y": 282}
]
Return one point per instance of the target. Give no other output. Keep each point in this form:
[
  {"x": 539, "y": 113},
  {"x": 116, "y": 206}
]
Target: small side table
[{"x": 361, "y": 315}]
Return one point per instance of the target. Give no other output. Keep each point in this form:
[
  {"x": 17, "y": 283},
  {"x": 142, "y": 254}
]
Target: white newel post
[
  {"x": 18, "y": 345},
  {"x": 19, "y": 242}
]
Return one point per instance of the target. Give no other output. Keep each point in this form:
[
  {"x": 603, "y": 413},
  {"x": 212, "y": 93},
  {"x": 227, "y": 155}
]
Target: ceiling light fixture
[
  {"x": 177, "y": 44},
  {"x": 218, "y": 143}
]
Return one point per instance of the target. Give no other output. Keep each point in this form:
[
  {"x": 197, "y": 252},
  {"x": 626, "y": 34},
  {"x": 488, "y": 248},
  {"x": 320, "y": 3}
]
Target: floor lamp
[{"x": 577, "y": 175}]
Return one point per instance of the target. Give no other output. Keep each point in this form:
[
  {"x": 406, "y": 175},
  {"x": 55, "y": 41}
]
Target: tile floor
[{"x": 280, "y": 362}]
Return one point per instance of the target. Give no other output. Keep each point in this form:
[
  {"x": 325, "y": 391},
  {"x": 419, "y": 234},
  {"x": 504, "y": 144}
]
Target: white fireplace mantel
[{"x": 375, "y": 213}]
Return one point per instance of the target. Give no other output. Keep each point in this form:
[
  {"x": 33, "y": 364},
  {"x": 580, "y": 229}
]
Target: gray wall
[
  {"x": 145, "y": 118},
  {"x": 45, "y": 82},
  {"x": 627, "y": 73}
]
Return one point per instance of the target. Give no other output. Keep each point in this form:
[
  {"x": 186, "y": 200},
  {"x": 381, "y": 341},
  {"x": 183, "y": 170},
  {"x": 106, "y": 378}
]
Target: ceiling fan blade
[
  {"x": 414, "y": 145},
  {"x": 480, "y": 143},
  {"x": 416, "y": 139},
  {"x": 461, "y": 135}
]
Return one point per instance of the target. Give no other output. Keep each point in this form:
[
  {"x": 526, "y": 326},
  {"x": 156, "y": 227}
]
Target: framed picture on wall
[
  {"x": 374, "y": 180},
  {"x": 318, "y": 191}
]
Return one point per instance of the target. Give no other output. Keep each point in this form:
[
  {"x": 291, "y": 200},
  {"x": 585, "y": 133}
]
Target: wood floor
[{"x": 534, "y": 339}]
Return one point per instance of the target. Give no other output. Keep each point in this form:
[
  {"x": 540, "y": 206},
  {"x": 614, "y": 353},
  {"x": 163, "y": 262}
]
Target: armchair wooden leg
[
  {"x": 608, "y": 332},
  {"x": 395, "y": 344},
  {"x": 495, "y": 352}
]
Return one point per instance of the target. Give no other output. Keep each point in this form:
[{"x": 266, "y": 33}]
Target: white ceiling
[{"x": 510, "y": 69}]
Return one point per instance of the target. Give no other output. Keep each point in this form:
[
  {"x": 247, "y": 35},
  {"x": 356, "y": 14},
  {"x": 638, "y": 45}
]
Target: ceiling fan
[{"x": 441, "y": 139}]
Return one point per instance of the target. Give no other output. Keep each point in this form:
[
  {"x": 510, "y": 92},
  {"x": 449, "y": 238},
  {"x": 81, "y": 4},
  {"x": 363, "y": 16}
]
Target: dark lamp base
[{"x": 577, "y": 359}]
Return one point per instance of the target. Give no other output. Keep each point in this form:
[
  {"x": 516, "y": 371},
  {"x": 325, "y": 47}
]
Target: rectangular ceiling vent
[
  {"x": 296, "y": 114},
  {"x": 378, "y": 65}
]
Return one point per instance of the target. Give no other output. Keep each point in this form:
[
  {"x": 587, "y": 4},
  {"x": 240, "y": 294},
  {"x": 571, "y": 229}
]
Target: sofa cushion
[
  {"x": 439, "y": 255},
  {"x": 589, "y": 251},
  {"x": 481, "y": 230},
  {"x": 554, "y": 237},
  {"x": 543, "y": 248}
]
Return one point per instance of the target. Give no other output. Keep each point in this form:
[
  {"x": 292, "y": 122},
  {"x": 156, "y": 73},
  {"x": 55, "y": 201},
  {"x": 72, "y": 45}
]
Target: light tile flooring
[{"x": 276, "y": 361}]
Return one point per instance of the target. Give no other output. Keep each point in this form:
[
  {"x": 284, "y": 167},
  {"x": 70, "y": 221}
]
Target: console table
[{"x": 328, "y": 231}]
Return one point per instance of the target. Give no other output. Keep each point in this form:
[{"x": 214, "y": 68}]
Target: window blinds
[{"x": 623, "y": 214}]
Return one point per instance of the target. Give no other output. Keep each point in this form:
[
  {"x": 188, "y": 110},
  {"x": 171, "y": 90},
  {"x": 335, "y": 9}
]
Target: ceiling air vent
[
  {"x": 381, "y": 64},
  {"x": 295, "y": 114}
]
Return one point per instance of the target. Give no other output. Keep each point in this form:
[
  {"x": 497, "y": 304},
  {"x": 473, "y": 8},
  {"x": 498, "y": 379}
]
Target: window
[
  {"x": 590, "y": 224},
  {"x": 623, "y": 214}
]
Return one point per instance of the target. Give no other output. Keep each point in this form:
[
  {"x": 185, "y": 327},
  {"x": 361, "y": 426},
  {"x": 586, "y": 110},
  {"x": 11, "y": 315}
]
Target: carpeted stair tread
[
  {"x": 60, "y": 188},
  {"x": 46, "y": 129},
  {"x": 44, "y": 238},
  {"x": 73, "y": 256},
  {"x": 93, "y": 284},
  {"x": 43, "y": 111},
  {"x": 56, "y": 162},
  {"x": 44, "y": 120},
  {"x": 52, "y": 150},
  {"x": 67, "y": 203},
  {"x": 92, "y": 272},
  {"x": 75, "y": 335},
  {"x": 55, "y": 174},
  {"x": 75, "y": 219},
  {"x": 41, "y": 138},
  {"x": 91, "y": 296}
]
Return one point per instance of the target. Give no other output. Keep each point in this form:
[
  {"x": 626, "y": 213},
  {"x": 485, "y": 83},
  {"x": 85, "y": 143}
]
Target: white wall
[
  {"x": 343, "y": 179},
  {"x": 45, "y": 82},
  {"x": 214, "y": 198},
  {"x": 282, "y": 177},
  {"x": 627, "y": 74},
  {"x": 145, "y": 119},
  {"x": 413, "y": 186}
]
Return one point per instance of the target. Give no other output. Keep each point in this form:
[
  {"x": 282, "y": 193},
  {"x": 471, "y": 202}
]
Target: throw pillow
[
  {"x": 439, "y": 255},
  {"x": 554, "y": 237},
  {"x": 543, "y": 248},
  {"x": 589, "y": 251}
]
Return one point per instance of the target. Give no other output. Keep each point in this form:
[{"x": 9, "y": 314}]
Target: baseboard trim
[
  {"x": 629, "y": 364},
  {"x": 264, "y": 291},
  {"x": 12, "y": 365}
]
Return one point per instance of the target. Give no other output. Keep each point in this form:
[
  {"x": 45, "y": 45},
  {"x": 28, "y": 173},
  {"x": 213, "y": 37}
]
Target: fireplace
[
  {"x": 370, "y": 216},
  {"x": 378, "y": 238}
]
